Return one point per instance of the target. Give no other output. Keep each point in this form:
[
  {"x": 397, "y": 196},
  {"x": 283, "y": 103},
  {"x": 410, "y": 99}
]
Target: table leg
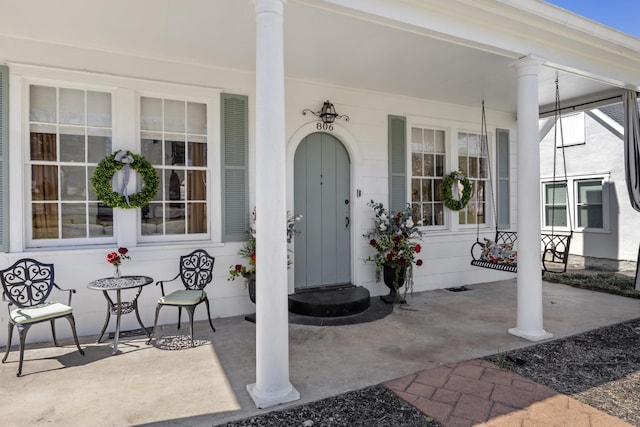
[
  {"x": 118, "y": 314},
  {"x": 106, "y": 321}
]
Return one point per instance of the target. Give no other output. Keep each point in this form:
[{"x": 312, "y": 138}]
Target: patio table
[{"x": 120, "y": 307}]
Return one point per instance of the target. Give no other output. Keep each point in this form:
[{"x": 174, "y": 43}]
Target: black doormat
[
  {"x": 129, "y": 334},
  {"x": 458, "y": 289}
]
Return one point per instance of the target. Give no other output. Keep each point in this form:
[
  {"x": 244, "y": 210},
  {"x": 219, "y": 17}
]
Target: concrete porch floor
[{"x": 171, "y": 384}]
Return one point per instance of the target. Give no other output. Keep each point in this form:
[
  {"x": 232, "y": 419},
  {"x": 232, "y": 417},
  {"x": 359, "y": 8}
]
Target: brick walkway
[{"x": 478, "y": 393}]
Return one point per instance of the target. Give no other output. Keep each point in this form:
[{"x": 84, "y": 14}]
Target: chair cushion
[
  {"x": 40, "y": 312},
  {"x": 183, "y": 297}
]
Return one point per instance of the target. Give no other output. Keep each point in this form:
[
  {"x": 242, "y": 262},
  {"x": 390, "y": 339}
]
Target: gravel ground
[{"x": 600, "y": 368}]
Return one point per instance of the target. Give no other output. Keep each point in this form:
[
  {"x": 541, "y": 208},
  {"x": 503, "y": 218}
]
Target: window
[
  {"x": 583, "y": 198},
  {"x": 573, "y": 129},
  {"x": 555, "y": 204},
  {"x": 473, "y": 162},
  {"x": 427, "y": 172},
  {"x": 70, "y": 132},
  {"x": 173, "y": 138},
  {"x": 589, "y": 204}
]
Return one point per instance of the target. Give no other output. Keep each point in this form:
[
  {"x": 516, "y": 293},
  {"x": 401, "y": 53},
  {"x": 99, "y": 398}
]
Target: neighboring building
[{"x": 592, "y": 199}]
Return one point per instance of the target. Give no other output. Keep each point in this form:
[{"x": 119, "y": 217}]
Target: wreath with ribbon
[
  {"x": 124, "y": 160},
  {"x": 464, "y": 194}
]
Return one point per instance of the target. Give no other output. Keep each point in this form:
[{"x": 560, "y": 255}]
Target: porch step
[{"x": 337, "y": 301}]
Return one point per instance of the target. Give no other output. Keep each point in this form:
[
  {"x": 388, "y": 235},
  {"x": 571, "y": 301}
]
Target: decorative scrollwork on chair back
[
  {"x": 196, "y": 269},
  {"x": 27, "y": 282}
]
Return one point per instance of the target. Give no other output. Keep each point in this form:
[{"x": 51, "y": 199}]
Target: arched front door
[{"x": 321, "y": 192}]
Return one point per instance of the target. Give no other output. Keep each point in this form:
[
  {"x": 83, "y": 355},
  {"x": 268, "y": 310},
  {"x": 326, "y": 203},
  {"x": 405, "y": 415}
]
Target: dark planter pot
[
  {"x": 393, "y": 276},
  {"x": 251, "y": 285}
]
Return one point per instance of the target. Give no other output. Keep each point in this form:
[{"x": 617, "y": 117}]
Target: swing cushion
[{"x": 499, "y": 253}]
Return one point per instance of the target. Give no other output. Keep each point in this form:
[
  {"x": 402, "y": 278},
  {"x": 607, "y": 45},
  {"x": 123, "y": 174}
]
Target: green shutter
[
  {"x": 235, "y": 164},
  {"x": 502, "y": 172},
  {"x": 4, "y": 157},
  {"x": 397, "y": 163}
]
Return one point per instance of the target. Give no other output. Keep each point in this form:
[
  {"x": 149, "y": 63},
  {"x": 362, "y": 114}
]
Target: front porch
[{"x": 206, "y": 385}]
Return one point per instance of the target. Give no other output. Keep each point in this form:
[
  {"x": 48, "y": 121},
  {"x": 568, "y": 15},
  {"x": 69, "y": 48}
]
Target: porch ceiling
[{"x": 323, "y": 42}]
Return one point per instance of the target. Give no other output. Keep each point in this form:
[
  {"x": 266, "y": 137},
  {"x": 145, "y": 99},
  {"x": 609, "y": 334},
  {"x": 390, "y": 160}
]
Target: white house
[
  {"x": 591, "y": 198},
  {"x": 212, "y": 94}
]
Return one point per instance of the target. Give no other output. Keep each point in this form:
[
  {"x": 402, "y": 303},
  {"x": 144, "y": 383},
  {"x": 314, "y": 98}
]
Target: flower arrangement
[
  {"x": 394, "y": 237},
  {"x": 115, "y": 258},
  {"x": 249, "y": 249}
]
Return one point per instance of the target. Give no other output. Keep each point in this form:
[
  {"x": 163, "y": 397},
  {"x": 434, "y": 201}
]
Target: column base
[
  {"x": 537, "y": 336},
  {"x": 272, "y": 399}
]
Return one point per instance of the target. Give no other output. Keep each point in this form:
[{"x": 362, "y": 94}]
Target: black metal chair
[
  {"x": 27, "y": 285},
  {"x": 196, "y": 272}
]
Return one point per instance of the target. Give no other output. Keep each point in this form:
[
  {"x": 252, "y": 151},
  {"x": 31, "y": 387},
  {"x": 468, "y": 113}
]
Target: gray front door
[{"x": 321, "y": 192}]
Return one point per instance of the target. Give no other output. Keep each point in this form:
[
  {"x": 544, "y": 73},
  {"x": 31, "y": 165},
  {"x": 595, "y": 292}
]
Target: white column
[
  {"x": 272, "y": 384},
  {"x": 529, "y": 300}
]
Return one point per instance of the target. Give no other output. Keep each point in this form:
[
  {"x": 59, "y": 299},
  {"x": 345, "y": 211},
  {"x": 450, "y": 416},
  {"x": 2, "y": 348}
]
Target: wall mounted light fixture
[{"x": 327, "y": 113}]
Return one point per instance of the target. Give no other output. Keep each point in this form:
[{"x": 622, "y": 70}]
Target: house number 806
[{"x": 324, "y": 126}]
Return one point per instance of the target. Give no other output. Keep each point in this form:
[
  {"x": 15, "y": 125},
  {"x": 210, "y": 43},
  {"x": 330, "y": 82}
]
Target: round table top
[{"x": 115, "y": 283}]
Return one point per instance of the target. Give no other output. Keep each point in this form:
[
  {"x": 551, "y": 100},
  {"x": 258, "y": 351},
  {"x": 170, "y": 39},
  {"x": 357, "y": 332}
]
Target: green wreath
[
  {"x": 109, "y": 166},
  {"x": 447, "y": 193}
]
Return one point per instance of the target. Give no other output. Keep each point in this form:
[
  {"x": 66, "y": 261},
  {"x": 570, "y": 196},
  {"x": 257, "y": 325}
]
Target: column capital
[
  {"x": 272, "y": 6},
  {"x": 528, "y": 64}
]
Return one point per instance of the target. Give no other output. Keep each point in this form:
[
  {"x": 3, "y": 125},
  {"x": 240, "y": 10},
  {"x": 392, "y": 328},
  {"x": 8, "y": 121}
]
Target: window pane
[
  {"x": 437, "y": 190},
  {"x": 462, "y": 165},
  {"x": 174, "y": 116},
  {"x": 151, "y": 147},
  {"x": 43, "y": 145},
  {"x": 590, "y": 216},
  {"x": 429, "y": 141},
  {"x": 196, "y": 118},
  {"x": 556, "y": 216},
  {"x": 174, "y": 150},
  {"x": 439, "y": 165},
  {"x": 590, "y": 192},
  {"x": 44, "y": 218},
  {"x": 174, "y": 219},
  {"x": 174, "y": 185},
  {"x": 71, "y": 144},
  {"x": 99, "y": 144},
  {"x": 426, "y": 190},
  {"x": 98, "y": 109},
  {"x": 429, "y": 167},
  {"x": 556, "y": 193},
  {"x": 72, "y": 106},
  {"x": 416, "y": 164},
  {"x": 439, "y": 137},
  {"x": 42, "y": 104},
  {"x": 197, "y": 153},
  {"x": 74, "y": 220},
  {"x": 416, "y": 139},
  {"x": 197, "y": 214},
  {"x": 44, "y": 182},
  {"x": 73, "y": 181},
  {"x": 150, "y": 114},
  {"x": 415, "y": 190},
  {"x": 101, "y": 215},
  {"x": 196, "y": 185},
  {"x": 438, "y": 213}
]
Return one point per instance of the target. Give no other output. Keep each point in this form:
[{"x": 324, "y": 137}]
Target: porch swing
[{"x": 500, "y": 254}]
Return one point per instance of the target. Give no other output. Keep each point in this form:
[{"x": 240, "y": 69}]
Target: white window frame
[
  {"x": 572, "y": 203},
  {"x": 212, "y": 169},
  {"x": 125, "y": 135},
  {"x": 452, "y": 129}
]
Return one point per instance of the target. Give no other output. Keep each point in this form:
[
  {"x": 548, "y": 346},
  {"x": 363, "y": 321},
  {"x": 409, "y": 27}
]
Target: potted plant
[
  {"x": 248, "y": 251},
  {"x": 395, "y": 239}
]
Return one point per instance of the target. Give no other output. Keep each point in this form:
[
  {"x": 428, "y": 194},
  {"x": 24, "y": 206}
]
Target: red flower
[
  {"x": 238, "y": 268},
  {"x": 113, "y": 257},
  {"x": 253, "y": 256},
  {"x": 373, "y": 242},
  {"x": 418, "y": 249},
  {"x": 123, "y": 251},
  {"x": 419, "y": 262},
  {"x": 390, "y": 256}
]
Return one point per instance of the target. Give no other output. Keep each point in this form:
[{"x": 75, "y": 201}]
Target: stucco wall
[
  {"x": 446, "y": 252},
  {"x": 603, "y": 154}
]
